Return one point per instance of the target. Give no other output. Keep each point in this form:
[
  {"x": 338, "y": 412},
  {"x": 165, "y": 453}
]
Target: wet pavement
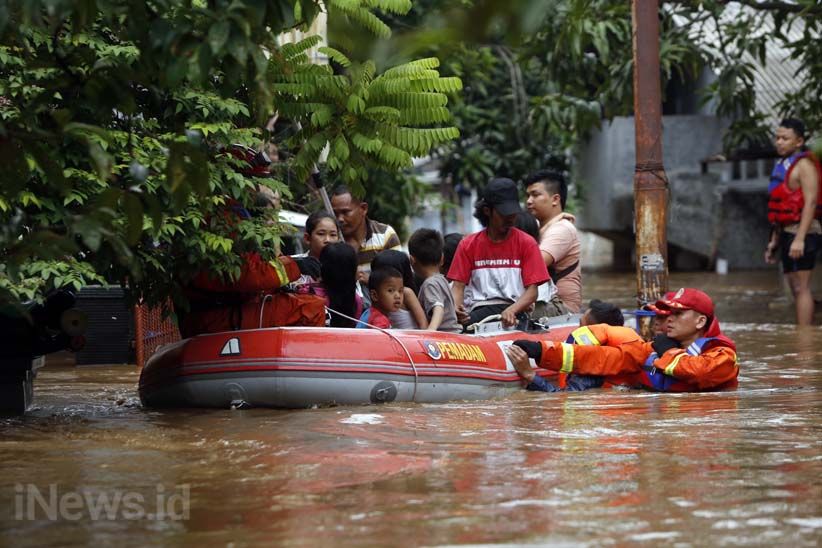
[{"x": 88, "y": 465}]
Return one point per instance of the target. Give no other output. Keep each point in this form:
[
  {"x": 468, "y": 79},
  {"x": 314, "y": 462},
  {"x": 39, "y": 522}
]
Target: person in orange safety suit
[
  {"x": 692, "y": 356},
  {"x": 250, "y": 302},
  {"x": 255, "y": 298},
  {"x": 600, "y": 324}
]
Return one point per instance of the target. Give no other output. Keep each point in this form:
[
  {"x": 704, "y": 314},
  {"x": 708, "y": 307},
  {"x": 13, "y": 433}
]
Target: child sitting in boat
[
  {"x": 410, "y": 315},
  {"x": 386, "y": 289},
  {"x": 339, "y": 284},
  {"x": 426, "y": 248},
  {"x": 320, "y": 230}
]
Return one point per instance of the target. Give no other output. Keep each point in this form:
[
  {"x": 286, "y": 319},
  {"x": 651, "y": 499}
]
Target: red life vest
[{"x": 785, "y": 205}]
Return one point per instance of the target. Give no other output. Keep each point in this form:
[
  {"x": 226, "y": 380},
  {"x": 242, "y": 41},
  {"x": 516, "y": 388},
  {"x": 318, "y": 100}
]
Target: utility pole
[{"x": 650, "y": 181}]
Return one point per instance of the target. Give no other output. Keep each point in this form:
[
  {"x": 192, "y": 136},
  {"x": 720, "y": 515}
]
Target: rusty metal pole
[{"x": 650, "y": 181}]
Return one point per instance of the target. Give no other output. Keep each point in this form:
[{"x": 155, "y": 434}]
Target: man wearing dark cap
[
  {"x": 500, "y": 264},
  {"x": 692, "y": 356}
]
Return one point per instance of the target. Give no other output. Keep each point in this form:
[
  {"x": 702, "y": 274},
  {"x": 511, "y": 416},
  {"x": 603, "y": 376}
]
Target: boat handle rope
[
  {"x": 262, "y": 307},
  {"x": 407, "y": 353}
]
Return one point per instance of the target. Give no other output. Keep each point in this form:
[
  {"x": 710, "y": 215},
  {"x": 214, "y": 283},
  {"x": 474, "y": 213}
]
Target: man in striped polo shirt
[{"x": 366, "y": 236}]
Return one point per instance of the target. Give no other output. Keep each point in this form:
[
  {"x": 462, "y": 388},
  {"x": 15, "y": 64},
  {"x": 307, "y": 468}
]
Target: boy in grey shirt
[{"x": 425, "y": 247}]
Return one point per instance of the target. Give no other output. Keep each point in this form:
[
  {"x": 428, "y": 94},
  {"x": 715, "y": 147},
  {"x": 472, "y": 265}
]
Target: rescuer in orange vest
[
  {"x": 601, "y": 323},
  {"x": 692, "y": 356},
  {"x": 255, "y": 298}
]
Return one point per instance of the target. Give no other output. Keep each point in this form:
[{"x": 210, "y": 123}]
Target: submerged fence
[{"x": 152, "y": 330}]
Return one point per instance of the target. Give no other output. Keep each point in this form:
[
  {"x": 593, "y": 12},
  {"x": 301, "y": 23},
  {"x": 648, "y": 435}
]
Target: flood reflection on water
[{"x": 603, "y": 467}]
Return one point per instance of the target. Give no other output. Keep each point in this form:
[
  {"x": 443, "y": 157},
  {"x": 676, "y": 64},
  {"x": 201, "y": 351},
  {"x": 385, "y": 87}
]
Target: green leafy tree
[
  {"x": 538, "y": 77},
  {"x": 499, "y": 134},
  {"x": 581, "y": 52},
  {"x": 585, "y": 51},
  {"x": 366, "y": 120},
  {"x": 117, "y": 119}
]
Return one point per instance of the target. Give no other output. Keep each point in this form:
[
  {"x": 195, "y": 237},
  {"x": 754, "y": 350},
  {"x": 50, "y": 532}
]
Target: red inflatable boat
[{"x": 294, "y": 367}]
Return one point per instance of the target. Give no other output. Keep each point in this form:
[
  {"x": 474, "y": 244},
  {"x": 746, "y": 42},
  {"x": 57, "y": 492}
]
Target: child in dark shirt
[{"x": 426, "y": 249}]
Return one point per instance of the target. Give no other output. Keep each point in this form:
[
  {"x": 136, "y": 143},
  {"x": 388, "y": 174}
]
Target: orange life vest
[
  {"x": 218, "y": 305},
  {"x": 621, "y": 361},
  {"x": 784, "y": 204},
  {"x": 254, "y": 311},
  {"x": 256, "y": 274},
  {"x": 654, "y": 376},
  {"x": 600, "y": 335}
]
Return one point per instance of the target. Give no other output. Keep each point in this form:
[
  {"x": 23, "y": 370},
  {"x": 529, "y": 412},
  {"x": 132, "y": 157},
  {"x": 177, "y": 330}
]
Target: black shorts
[{"x": 806, "y": 261}]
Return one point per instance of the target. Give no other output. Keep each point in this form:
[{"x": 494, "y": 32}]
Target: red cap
[
  {"x": 659, "y": 311},
  {"x": 688, "y": 298}
]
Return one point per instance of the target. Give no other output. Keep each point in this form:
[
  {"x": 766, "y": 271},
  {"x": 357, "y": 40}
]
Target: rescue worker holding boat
[{"x": 692, "y": 356}]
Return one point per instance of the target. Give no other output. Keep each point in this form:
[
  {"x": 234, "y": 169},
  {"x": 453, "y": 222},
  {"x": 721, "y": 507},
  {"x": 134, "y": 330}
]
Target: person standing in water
[{"x": 794, "y": 208}]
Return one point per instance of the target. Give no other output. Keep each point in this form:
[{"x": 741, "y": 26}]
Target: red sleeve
[
  {"x": 595, "y": 360},
  {"x": 534, "y": 271},
  {"x": 461, "y": 267}
]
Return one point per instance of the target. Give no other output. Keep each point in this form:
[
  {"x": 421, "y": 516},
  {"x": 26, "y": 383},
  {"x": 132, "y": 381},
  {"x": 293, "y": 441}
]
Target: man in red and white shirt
[{"x": 501, "y": 265}]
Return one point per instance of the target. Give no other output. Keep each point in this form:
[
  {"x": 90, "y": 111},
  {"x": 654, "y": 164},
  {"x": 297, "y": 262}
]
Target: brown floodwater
[{"x": 585, "y": 469}]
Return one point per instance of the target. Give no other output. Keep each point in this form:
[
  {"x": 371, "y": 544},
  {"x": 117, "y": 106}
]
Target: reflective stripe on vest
[
  {"x": 664, "y": 381},
  {"x": 282, "y": 274},
  {"x": 583, "y": 335},
  {"x": 567, "y": 358}
]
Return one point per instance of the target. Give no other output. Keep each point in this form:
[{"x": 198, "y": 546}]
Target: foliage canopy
[
  {"x": 115, "y": 118},
  {"x": 555, "y": 70}
]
